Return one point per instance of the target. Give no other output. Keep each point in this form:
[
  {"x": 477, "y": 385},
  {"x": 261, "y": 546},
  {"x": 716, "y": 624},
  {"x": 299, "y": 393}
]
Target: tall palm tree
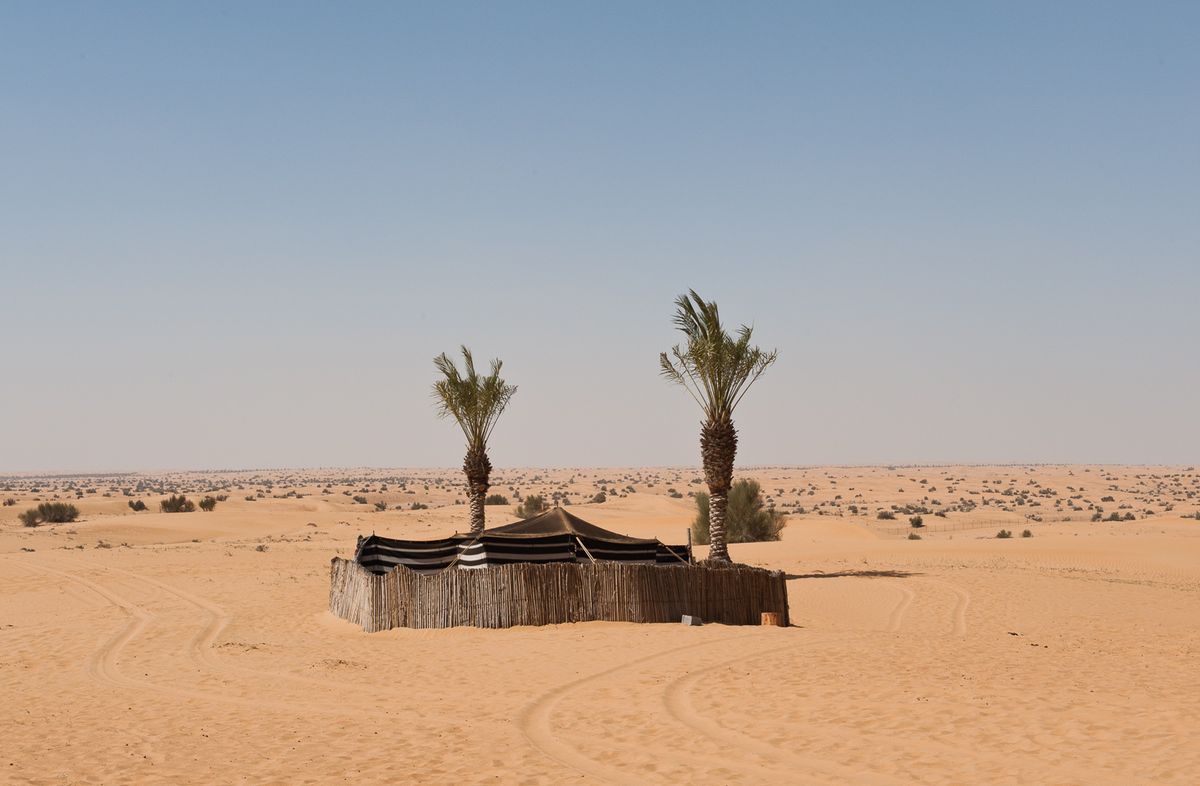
[
  {"x": 476, "y": 403},
  {"x": 717, "y": 370}
]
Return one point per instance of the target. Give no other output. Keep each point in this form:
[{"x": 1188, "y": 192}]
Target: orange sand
[{"x": 183, "y": 654}]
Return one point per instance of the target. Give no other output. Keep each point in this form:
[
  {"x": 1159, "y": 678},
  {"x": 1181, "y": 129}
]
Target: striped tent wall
[
  {"x": 379, "y": 555},
  {"x": 589, "y": 549},
  {"x": 667, "y": 554},
  {"x": 484, "y": 550}
]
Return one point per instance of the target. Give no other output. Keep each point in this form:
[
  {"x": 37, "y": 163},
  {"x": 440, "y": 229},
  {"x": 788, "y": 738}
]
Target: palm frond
[
  {"x": 475, "y": 402},
  {"x": 716, "y": 369}
]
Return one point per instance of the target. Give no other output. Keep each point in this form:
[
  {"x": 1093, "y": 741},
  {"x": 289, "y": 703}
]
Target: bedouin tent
[{"x": 553, "y": 536}]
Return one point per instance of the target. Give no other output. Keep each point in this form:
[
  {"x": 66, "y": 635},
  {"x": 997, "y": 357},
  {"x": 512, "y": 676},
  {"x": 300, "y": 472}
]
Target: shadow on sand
[{"x": 860, "y": 574}]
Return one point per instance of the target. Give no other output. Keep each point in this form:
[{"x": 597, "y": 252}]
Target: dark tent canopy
[{"x": 553, "y": 536}]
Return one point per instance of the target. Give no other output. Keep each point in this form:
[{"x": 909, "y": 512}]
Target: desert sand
[{"x": 153, "y": 648}]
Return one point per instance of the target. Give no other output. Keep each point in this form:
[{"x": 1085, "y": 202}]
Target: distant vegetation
[
  {"x": 176, "y": 503},
  {"x": 599, "y": 497},
  {"x": 136, "y": 505},
  {"x": 207, "y": 504},
  {"x": 886, "y": 514},
  {"x": 495, "y": 499},
  {"x": 1002, "y": 534},
  {"x": 747, "y": 520},
  {"x": 530, "y": 506}
]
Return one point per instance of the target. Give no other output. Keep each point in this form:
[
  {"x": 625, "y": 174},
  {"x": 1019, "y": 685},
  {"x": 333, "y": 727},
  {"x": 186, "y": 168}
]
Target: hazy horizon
[{"x": 237, "y": 237}]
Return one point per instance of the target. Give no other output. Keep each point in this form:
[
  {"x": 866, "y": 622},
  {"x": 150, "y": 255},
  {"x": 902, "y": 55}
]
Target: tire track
[
  {"x": 898, "y": 612},
  {"x": 200, "y": 648},
  {"x": 678, "y": 703},
  {"x": 104, "y": 665},
  {"x": 677, "y": 699},
  {"x": 534, "y": 720},
  {"x": 962, "y": 600},
  {"x": 960, "y": 609}
]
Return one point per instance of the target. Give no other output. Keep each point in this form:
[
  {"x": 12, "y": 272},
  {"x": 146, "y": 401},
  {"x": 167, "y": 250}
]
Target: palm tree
[
  {"x": 476, "y": 403},
  {"x": 717, "y": 370}
]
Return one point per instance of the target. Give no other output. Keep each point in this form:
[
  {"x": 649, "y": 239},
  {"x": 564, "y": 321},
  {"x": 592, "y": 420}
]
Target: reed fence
[
  {"x": 544, "y": 594},
  {"x": 901, "y": 529}
]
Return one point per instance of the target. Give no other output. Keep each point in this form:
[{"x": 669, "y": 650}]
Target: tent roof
[{"x": 557, "y": 521}]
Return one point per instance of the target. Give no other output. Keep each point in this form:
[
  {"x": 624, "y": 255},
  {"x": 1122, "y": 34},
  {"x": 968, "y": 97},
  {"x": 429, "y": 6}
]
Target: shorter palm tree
[
  {"x": 717, "y": 370},
  {"x": 476, "y": 403}
]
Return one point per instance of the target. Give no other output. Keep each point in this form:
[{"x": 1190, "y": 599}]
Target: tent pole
[
  {"x": 671, "y": 551},
  {"x": 585, "y": 549}
]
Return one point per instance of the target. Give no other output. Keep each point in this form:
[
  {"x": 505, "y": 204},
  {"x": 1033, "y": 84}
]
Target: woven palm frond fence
[{"x": 544, "y": 594}]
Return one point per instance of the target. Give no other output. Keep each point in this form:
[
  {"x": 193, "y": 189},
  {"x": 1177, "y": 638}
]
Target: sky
[{"x": 235, "y": 235}]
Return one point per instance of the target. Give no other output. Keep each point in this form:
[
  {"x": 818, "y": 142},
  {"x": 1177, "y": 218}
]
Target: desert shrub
[
  {"x": 747, "y": 519},
  {"x": 530, "y": 506},
  {"x": 600, "y": 497},
  {"x": 1027, "y": 534},
  {"x": 700, "y": 532},
  {"x": 251, "y": 498},
  {"x": 176, "y": 503},
  {"x": 136, "y": 505},
  {"x": 30, "y": 518},
  {"x": 8, "y": 503},
  {"x": 419, "y": 506},
  {"x": 1130, "y": 517},
  {"x": 1002, "y": 534},
  {"x": 222, "y": 497},
  {"x": 381, "y": 506},
  {"x": 207, "y": 504},
  {"x": 359, "y": 499},
  {"x": 913, "y": 536},
  {"x": 57, "y": 512},
  {"x": 916, "y": 522},
  {"x": 1114, "y": 516},
  {"x": 495, "y": 499},
  {"x": 1097, "y": 516},
  {"x": 885, "y": 514}
]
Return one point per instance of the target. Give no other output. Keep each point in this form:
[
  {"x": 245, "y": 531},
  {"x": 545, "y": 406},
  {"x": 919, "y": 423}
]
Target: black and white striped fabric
[
  {"x": 554, "y": 536},
  {"x": 505, "y": 550},
  {"x": 589, "y": 549},
  {"x": 379, "y": 555},
  {"x": 667, "y": 554}
]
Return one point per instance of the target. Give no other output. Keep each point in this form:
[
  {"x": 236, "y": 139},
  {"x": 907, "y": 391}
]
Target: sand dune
[{"x": 200, "y": 651}]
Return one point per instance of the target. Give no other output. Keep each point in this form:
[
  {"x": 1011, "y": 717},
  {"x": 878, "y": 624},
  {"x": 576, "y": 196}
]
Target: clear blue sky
[{"x": 235, "y": 235}]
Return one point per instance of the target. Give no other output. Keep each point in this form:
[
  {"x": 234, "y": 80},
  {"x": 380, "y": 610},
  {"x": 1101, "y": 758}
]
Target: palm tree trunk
[
  {"x": 477, "y": 520},
  {"x": 718, "y": 551},
  {"x": 478, "y": 469},
  {"x": 718, "y": 449}
]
